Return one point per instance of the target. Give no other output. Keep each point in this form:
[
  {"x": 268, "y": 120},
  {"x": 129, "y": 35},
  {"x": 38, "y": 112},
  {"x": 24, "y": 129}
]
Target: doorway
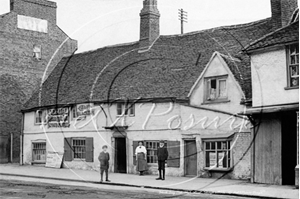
[
  {"x": 190, "y": 158},
  {"x": 289, "y": 147},
  {"x": 120, "y": 155}
]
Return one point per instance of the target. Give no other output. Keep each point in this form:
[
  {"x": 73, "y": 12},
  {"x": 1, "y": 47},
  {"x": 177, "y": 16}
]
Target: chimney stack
[
  {"x": 41, "y": 9},
  {"x": 282, "y": 11},
  {"x": 149, "y": 27}
]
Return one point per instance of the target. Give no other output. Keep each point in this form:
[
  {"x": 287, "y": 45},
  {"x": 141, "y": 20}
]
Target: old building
[
  {"x": 184, "y": 89},
  {"x": 31, "y": 45},
  {"x": 275, "y": 105}
]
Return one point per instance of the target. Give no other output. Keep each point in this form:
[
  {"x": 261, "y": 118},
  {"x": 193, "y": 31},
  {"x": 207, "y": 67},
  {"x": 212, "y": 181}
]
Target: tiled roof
[
  {"x": 168, "y": 70},
  {"x": 281, "y": 36}
]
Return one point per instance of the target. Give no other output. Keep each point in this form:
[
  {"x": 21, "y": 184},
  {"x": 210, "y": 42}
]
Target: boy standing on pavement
[
  {"x": 104, "y": 163},
  {"x": 162, "y": 156}
]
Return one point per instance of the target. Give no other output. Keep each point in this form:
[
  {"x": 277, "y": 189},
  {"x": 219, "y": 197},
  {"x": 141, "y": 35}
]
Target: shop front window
[{"x": 217, "y": 154}]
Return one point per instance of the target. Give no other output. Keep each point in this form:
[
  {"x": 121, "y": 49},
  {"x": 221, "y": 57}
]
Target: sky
[{"x": 99, "y": 23}]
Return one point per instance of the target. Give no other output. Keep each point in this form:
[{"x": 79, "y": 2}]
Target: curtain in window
[{"x": 222, "y": 88}]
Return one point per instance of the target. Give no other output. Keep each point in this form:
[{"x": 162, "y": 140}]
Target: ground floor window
[
  {"x": 39, "y": 151},
  {"x": 151, "y": 147},
  {"x": 217, "y": 154},
  {"x": 173, "y": 147},
  {"x": 79, "y": 148}
]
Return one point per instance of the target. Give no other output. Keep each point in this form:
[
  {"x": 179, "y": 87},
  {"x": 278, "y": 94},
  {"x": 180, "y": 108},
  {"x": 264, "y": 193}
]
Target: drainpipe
[
  {"x": 297, "y": 166},
  {"x": 11, "y": 147},
  {"x": 22, "y": 140}
]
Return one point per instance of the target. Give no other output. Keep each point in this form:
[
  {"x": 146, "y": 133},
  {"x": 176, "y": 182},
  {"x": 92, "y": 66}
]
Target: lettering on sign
[
  {"x": 33, "y": 24},
  {"x": 54, "y": 159},
  {"x": 57, "y": 118}
]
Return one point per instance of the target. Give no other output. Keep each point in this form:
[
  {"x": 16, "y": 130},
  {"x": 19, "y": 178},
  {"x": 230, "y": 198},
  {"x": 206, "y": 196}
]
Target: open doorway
[
  {"x": 120, "y": 155},
  {"x": 289, "y": 147}
]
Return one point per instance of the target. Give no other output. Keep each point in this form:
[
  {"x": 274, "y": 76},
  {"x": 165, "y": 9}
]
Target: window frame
[
  {"x": 207, "y": 89},
  {"x": 154, "y": 149},
  {"x": 38, "y": 58},
  {"x": 42, "y": 116},
  {"x": 227, "y": 153},
  {"x": 35, "y": 149},
  {"x": 81, "y": 146},
  {"x": 125, "y": 109},
  {"x": 289, "y": 65}
]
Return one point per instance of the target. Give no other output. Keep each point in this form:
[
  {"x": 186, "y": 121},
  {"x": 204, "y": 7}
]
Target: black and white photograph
[{"x": 149, "y": 99}]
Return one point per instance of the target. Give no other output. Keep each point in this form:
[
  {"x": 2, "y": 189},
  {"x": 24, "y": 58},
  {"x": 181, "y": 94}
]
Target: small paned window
[
  {"x": 39, "y": 116},
  {"x": 216, "y": 88},
  {"x": 37, "y": 52},
  {"x": 78, "y": 148},
  {"x": 126, "y": 109},
  {"x": 151, "y": 147},
  {"x": 217, "y": 154},
  {"x": 39, "y": 152},
  {"x": 293, "y": 65}
]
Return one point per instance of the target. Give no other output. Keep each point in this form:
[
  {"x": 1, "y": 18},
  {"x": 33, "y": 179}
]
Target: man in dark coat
[
  {"x": 104, "y": 163},
  {"x": 162, "y": 156}
]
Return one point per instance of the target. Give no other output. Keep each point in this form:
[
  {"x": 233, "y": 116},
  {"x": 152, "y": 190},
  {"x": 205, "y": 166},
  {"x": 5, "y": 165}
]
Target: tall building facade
[{"x": 31, "y": 46}]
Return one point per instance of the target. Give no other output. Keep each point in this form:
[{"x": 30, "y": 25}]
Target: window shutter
[
  {"x": 174, "y": 153},
  {"x": 89, "y": 144},
  {"x": 68, "y": 149},
  {"x": 134, "y": 145}
]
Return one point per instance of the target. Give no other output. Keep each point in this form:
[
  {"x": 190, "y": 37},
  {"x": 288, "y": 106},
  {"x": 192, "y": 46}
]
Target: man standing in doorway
[{"x": 162, "y": 156}]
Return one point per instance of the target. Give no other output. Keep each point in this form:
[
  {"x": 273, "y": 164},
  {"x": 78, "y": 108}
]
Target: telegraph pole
[{"x": 182, "y": 17}]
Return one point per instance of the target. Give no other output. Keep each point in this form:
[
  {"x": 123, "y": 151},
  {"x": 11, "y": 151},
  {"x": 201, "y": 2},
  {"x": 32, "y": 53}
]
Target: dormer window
[
  {"x": 216, "y": 89},
  {"x": 37, "y": 52},
  {"x": 293, "y": 65}
]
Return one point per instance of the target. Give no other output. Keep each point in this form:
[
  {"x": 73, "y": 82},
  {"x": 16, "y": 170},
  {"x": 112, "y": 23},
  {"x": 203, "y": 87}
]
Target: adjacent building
[
  {"x": 31, "y": 45},
  {"x": 275, "y": 105},
  {"x": 185, "y": 89}
]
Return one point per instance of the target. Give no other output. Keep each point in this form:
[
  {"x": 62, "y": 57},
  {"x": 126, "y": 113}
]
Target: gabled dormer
[{"x": 217, "y": 85}]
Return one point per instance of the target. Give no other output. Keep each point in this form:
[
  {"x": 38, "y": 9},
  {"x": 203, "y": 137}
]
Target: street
[{"x": 27, "y": 189}]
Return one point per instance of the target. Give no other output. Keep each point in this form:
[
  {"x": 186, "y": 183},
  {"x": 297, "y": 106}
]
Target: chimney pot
[{"x": 149, "y": 27}]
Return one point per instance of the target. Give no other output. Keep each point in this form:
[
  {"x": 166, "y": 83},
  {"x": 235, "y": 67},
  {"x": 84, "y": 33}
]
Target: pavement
[{"x": 176, "y": 184}]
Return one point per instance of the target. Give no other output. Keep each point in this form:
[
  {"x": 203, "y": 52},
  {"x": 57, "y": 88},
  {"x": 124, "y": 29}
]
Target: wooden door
[
  {"x": 190, "y": 158},
  {"x": 267, "y": 151}
]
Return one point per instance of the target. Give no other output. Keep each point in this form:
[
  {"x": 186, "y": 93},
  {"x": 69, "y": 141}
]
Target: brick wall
[
  {"x": 282, "y": 11},
  {"x": 21, "y": 73},
  {"x": 149, "y": 25},
  {"x": 35, "y": 8}
]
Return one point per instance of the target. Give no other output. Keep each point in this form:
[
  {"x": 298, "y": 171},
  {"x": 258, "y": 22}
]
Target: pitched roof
[
  {"x": 281, "y": 36},
  {"x": 168, "y": 70}
]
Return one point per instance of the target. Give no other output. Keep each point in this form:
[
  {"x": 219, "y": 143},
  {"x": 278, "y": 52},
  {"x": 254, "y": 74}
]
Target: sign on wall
[
  {"x": 59, "y": 117},
  {"x": 33, "y": 24},
  {"x": 83, "y": 109},
  {"x": 54, "y": 159}
]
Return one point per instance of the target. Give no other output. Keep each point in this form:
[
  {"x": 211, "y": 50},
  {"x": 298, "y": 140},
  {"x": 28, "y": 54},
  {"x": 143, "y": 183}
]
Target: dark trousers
[
  {"x": 161, "y": 168},
  {"x": 106, "y": 173}
]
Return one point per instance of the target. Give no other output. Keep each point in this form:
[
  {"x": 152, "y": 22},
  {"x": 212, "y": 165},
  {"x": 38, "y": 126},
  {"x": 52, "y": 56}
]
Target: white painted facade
[
  {"x": 269, "y": 79},
  {"x": 158, "y": 121}
]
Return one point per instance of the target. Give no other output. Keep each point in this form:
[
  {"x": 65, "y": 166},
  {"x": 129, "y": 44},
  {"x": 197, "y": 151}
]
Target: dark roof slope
[
  {"x": 281, "y": 36},
  {"x": 168, "y": 70}
]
